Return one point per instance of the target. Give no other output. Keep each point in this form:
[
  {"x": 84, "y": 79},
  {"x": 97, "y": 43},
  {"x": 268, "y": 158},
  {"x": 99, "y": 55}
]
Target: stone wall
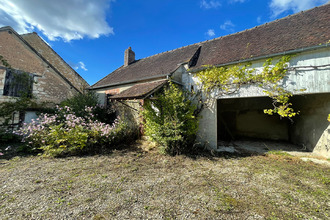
[
  {"x": 49, "y": 86},
  {"x": 52, "y": 57}
]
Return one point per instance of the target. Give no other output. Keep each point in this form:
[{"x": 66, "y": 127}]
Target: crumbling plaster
[{"x": 313, "y": 80}]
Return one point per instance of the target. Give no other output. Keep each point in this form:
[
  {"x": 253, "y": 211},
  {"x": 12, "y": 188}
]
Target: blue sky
[{"x": 92, "y": 35}]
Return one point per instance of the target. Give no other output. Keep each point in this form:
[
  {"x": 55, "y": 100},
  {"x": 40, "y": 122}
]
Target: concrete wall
[
  {"x": 311, "y": 128},
  {"x": 207, "y": 130}
]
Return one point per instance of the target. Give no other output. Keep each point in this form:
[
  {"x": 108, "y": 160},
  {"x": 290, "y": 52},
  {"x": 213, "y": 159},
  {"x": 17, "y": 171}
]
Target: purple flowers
[{"x": 66, "y": 129}]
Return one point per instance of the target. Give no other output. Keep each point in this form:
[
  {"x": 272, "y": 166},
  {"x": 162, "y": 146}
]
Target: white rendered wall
[{"x": 312, "y": 80}]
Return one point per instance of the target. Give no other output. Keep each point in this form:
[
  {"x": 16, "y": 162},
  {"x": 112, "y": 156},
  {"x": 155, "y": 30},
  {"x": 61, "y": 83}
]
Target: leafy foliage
[
  {"x": 4, "y": 62},
  {"x": 78, "y": 103},
  {"x": 170, "y": 121},
  {"x": 227, "y": 80},
  {"x": 64, "y": 133},
  {"x": 7, "y": 136}
]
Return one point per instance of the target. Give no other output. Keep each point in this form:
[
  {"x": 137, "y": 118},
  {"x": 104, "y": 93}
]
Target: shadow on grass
[
  {"x": 9, "y": 150},
  {"x": 18, "y": 149}
]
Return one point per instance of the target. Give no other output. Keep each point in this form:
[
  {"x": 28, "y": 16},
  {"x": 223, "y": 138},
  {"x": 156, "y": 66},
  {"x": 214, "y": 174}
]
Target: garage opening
[
  {"x": 242, "y": 122},
  {"x": 244, "y": 118}
]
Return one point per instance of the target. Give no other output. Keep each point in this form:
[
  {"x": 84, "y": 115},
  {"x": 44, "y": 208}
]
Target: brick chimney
[{"x": 129, "y": 56}]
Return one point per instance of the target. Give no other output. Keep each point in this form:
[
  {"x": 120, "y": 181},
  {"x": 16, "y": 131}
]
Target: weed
[
  {"x": 60, "y": 201},
  {"x": 279, "y": 152}
]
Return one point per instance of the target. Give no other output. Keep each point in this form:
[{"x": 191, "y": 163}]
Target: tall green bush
[
  {"x": 78, "y": 103},
  {"x": 170, "y": 121}
]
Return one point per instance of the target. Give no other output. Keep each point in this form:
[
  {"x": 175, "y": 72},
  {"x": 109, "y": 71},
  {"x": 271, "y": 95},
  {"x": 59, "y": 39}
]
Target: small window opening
[{"x": 18, "y": 83}]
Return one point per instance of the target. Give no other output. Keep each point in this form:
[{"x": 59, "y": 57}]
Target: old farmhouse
[
  {"x": 51, "y": 79},
  {"x": 305, "y": 35}
]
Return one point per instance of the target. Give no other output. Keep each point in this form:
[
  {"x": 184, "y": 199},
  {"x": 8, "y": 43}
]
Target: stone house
[
  {"x": 51, "y": 79},
  {"x": 305, "y": 35}
]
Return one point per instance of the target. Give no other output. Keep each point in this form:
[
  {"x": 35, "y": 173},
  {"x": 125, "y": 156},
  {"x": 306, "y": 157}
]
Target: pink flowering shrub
[{"x": 64, "y": 133}]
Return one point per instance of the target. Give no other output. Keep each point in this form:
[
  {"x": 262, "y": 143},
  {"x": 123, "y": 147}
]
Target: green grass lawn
[{"x": 135, "y": 184}]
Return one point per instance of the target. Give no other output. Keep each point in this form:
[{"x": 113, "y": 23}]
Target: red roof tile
[
  {"x": 303, "y": 30},
  {"x": 140, "y": 90},
  {"x": 158, "y": 65}
]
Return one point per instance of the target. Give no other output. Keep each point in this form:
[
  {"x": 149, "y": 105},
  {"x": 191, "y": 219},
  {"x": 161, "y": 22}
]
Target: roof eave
[
  {"x": 130, "y": 81},
  {"x": 264, "y": 57},
  {"x": 144, "y": 96}
]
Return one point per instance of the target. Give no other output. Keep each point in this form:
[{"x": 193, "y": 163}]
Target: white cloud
[
  {"x": 210, "y": 4},
  {"x": 227, "y": 26},
  {"x": 210, "y": 33},
  {"x": 66, "y": 19},
  {"x": 82, "y": 66},
  {"x": 77, "y": 66},
  {"x": 259, "y": 19},
  {"x": 280, "y": 6}
]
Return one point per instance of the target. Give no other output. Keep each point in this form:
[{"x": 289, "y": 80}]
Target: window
[{"x": 18, "y": 83}]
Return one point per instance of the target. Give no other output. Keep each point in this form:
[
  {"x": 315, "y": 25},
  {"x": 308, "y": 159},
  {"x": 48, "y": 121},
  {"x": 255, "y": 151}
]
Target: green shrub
[
  {"x": 170, "y": 121},
  {"x": 78, "y": 104},
  {"x": 64, "y": 133},
  {"x": 8, "y": 137}
]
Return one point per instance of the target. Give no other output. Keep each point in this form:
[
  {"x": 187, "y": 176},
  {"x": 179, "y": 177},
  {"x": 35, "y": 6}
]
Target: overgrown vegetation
[
  {"x": 8, "y": 137},
  {"x": 78, "y": 103},
  {"x": 73, "y": 132},
  {"x": 64, "y": 133},
  {"x": 226, "y": 80},
  {"x": 171, "y": 121}
]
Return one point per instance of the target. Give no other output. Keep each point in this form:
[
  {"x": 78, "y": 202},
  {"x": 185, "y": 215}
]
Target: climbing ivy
[
  {"x": 4, "y": 62},
  {"x": 219, "y": 81}
]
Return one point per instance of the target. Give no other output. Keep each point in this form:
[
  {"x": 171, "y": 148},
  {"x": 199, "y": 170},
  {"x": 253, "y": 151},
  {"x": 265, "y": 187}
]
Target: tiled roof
[
  {"x": 302, "y": 30},
  {"x": 140, "y": 90},
  {"x": 157, "y": 65}
]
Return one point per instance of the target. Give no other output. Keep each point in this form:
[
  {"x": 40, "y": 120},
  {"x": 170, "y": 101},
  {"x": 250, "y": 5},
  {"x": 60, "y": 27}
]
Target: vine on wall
[{"x": 220, "y": 81}]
